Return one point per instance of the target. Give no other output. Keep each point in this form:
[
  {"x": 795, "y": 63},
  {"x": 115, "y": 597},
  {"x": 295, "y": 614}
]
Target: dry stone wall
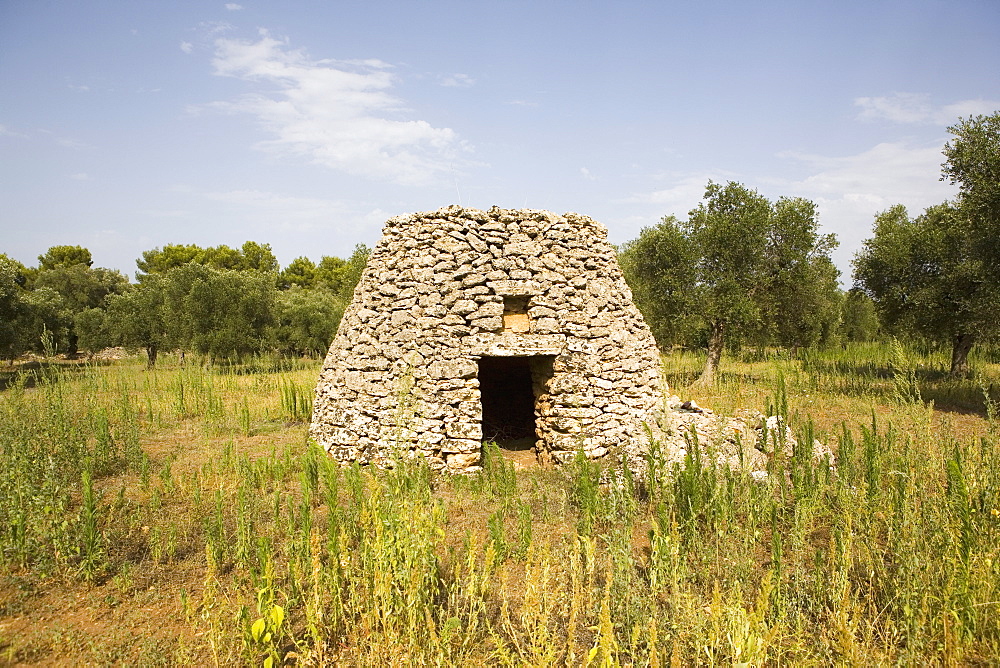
[{"x": 445, "y": 290}]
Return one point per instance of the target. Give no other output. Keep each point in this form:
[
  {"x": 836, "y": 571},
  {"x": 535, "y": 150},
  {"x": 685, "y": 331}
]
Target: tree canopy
[
  {"x": 938, "y": 275},
  {"x": 972, "y": 161},
  {"x": 252, "y": 256},
  {"x": 859, "y": 319},
  {"x": 736, "y": 264},
  {"x": 660, "y": 266},
  {"x": 924, "y": 278},
  {"x": 67, "y": 271},
  {"x": 64, "y": 256},
  {"x": 218, "y": 301},
  {"x": 12, "y": 306}
]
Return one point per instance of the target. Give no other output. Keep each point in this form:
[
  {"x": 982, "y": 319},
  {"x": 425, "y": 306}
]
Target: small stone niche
[{"x": 515, "y": 314}]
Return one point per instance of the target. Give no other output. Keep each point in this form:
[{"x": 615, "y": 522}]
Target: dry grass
[{"x": 222, "y": 515}]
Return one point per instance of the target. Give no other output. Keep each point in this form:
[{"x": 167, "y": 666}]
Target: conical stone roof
[{"x": 465, "y": 320}]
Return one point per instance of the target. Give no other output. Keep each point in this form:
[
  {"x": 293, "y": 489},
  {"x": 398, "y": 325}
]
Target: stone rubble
[{"x": 746, "y": 441}]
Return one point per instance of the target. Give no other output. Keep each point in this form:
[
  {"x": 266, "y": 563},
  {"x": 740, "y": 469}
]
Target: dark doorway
[{"x": 509, "y": 387}]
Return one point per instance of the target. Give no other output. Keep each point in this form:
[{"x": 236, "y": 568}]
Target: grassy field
[{"x": 179, "y": 516}]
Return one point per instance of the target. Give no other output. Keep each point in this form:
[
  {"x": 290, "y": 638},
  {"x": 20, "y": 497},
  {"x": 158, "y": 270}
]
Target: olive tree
[
  {"x": 659, "y": 267},
  {"x": 307, "y": 320},
  {"x": 800, "y": 302},
  {"x": 972, "y": 162},
  {"x": 938, "y": 275},
  {"x": 137, "y": 318},
  {"x": 67, "y": 271},
  {"x": 925, "y": 278},
  {"x": 738, "y": 265},
  {"x": 222, "y": 314}
]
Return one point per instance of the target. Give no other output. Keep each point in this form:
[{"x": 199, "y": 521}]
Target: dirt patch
[
  {"x": 521, "y": 452},
  {"x": 130, "y": 619}
]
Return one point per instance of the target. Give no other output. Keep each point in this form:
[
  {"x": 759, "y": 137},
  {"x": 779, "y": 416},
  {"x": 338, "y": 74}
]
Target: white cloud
[
  {"x": 585, "y": 173},
  {"x": 7, "y": 132},
  {"x": 456, "y": 80},
  {"x": 850, "y": 190},
  {"x": 210, "y": 29},
  {"x": 79, "y": 88},
  {"x": 337, "y": 113},
  {"x": 72, "y": 143},
  {"x": 233, "y": 7},
  {"x": 81, "y": 176},
  {"x": 523, "y": 103},
  {"x": 283, "y": 211},
  {"x": 187, "y": 47},
  {"x": 65, "y": 142},
  {"x": 887, "y": 174},
  {"x": 684, "y": 193},
  {"x": 952, "y": 112},
  {"x": 916, "y": 108}
]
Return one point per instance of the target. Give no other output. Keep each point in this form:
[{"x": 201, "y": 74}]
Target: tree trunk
[
  {"x": 961, "y": 344},
  {"x": 151, "y": 352},
  {"x": 715, "y": 343},
  {"x": 72, "y": 349}
]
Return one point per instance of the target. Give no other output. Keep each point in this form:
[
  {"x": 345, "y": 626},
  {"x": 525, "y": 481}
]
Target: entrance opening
[{"x": 510, "y": 387}]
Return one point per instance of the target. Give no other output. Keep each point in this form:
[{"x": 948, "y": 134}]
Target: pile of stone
[
  {"x": 748, "y": 440},
  {"x": 112, "y": 354}
]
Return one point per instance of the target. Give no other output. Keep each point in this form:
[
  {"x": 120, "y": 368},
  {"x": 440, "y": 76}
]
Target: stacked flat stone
[{"x": 400, "y": 379}]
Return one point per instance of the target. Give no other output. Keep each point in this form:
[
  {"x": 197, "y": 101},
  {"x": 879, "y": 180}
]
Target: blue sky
[{"x": 306, "y": 124}]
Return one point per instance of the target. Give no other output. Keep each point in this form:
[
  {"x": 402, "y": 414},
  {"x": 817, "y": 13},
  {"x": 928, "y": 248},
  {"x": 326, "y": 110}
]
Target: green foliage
[
  {"x": 972, "y": 160},
  {"x": 252, "y": 256},
  {"x": 221, "y": 314},
  {"x": 925, "y": 278},
  {"x": 171, "y": 256},
  {"x": 296, "y": 401},
  {"x": 217, "y": 301},
  {"x": 61, "y": 257},
  {"x": 222, "y": 257},
  {"x": 91, "y": 546},
  {"x": 89, "y": 326},
  {"x": 259, "y": 257},
  {"x": 138, "y": 318},
  {"x": 307, "y": 320},
  {"x": 300, "y": 272},
  {"x": 13, "y": 272},
  {"x": 660, "y": 268},
  {"x": 730, "y": 230},
  {"x": 45, "y": 316},
  {"x": 328, "y": 272},
  {"x": 801, "y": 303},
  {"x": 859, "y": 320},
  {"x": 80, "y": 289},
  {"x": 937, "y": 274},
  {"x": 54, "y": 300},
  {"x": 13, "y": 308},
  {"x": 340, "y": 276},
  {"x": 739, "y": 266}
]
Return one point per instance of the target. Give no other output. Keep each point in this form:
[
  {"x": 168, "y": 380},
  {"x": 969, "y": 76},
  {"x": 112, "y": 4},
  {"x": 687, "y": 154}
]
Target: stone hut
[{"x": 513, "y": 326}]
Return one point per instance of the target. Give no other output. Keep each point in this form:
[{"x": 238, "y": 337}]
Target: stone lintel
[
  {"x": 510, "y": 344},
  {"x": 515, "y": 288}
]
